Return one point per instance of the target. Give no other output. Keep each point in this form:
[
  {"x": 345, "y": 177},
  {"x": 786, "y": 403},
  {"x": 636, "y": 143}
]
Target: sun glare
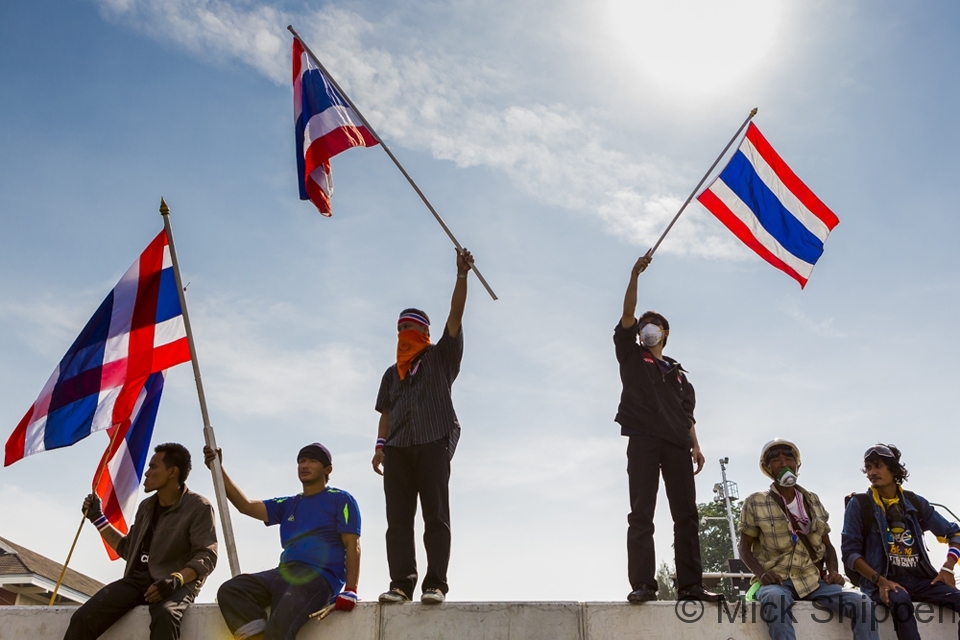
[{"x": 691, "y": 48}]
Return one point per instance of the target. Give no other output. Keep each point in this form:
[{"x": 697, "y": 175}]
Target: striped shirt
[
  {"x": 777, "y": 548},
  {"x": 420, "y": 406}
]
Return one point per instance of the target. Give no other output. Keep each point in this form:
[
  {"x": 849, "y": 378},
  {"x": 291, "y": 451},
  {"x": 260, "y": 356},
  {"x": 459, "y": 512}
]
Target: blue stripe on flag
[
  {"x": 168, "y": 302},
  {"x": 743, "y": 180},
  {"x": 318, "y": 95},
  {"x": 301, "y": 162},
  {"x": 141, "y": 432},
  {"x": 70, "y": 424},
  {"x": 86, "y": 352}
]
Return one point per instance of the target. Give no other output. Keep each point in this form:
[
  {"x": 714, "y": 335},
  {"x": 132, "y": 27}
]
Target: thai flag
[
  {"x": 770, "y": 209},
  {"x": 137, "y": 331},
  {"x": 125, "y": 458},
  {"x": 325, "y": 126}
]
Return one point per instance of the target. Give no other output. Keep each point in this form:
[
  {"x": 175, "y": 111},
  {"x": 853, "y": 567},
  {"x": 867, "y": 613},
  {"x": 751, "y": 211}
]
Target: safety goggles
[
  {"x": 880, "y": 450},
  {"x": 779, "y": 451}
]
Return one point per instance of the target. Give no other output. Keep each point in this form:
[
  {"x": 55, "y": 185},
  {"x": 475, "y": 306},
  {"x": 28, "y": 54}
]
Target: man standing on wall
[
  {"x": 416, "y": 439},
  {"x": 656, "y": 414}
]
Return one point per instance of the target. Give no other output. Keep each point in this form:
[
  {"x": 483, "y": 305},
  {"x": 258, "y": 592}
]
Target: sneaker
[
  {"x": 697, "y": 592},
  {"x": 432, "y": 596},
  {"x": 643, "y": 594},
  {"x": 394, "y": 596}
]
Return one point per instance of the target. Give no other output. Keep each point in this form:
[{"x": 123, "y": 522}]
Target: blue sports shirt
[{"x": 310, "y": 528}]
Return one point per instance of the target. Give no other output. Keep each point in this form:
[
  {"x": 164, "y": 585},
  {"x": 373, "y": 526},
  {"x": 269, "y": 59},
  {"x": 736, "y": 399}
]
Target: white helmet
[{"x": 770, "y": 445}]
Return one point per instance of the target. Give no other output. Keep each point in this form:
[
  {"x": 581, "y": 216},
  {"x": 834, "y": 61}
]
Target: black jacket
[{"x": 653, "y": 403}]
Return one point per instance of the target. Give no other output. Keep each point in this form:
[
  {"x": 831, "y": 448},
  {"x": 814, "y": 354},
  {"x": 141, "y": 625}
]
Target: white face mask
[
  {"x": 787, "y": 478},
  {"x": 650, "y": 335}
]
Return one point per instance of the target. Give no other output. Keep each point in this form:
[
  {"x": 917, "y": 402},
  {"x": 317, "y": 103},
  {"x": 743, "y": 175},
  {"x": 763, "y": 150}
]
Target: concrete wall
[{"x": 489, "y": 621}]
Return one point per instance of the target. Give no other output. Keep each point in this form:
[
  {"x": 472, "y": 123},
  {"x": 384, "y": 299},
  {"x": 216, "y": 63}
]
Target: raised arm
[
  {"x": 246, "y": 506},
  {"x": 459, "y": 300},
  {"x": 630, "y": 297}
]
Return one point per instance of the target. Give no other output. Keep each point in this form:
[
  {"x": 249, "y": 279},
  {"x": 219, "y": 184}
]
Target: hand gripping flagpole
[
  {"x": 96, "y": 483},
  {"x": 208, "y": 436},
  {"x": 702, "y": 180},
  {"x": 392, "y": 157}
]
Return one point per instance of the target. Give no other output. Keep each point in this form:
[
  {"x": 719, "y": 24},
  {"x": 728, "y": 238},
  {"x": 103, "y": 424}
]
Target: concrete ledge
[{"x": 495, "y": 621}]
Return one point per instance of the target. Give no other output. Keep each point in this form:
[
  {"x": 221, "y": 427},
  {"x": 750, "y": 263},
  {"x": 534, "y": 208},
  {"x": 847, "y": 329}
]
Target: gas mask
[
  {"x": 786, "y": 477},
  {"x": 895, "y": 519},
  {"x": 650, "y": 335}
]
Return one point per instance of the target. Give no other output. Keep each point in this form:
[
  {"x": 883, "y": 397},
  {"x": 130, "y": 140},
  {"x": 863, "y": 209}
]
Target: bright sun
[{"x": 693, "y": 48}]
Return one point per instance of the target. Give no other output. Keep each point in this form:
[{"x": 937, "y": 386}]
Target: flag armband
[
  {"x": 380, "y": 443},
  {"x": 101, "y": 523}
]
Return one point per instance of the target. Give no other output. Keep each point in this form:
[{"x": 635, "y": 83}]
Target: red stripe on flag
[
  {"x": 334, "y": 142},
  {"x": 170, "y": 355},
  {"x": 739, "y": 229},
  {"x": 297, "y": 58},
  {"x": 17, "y": 440},
  {"x": 790, "y": 179},
  {"x": 319, "y": 197}
]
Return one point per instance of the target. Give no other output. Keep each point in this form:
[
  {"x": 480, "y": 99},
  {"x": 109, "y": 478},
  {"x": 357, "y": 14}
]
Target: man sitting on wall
[
  {"x": 170, "y": 549},
  {"x": 784, "y": 542}
]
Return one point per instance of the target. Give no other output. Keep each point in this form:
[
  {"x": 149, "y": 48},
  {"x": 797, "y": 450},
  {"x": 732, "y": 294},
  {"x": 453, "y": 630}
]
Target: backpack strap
[
  {"x": 817, "y": 562},
  {"x": 867, "y": 518}
]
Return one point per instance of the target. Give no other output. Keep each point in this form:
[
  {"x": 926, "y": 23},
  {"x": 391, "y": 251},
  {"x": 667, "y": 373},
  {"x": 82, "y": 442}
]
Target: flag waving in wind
[
  {"x": 137, "y": 331},
  {"x": 762, "y": 201},
  {"x": 325, "y": 126},
  {"x": 123, "y": 462}
]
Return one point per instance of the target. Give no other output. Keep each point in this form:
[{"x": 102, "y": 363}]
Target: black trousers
[
  {"x": 110, "y": 604},
  {"x": 423, "y": 470},
  {"x": 647, "y": 458}
]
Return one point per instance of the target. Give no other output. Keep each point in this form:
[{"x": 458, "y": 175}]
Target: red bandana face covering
[{"x": 410, "y": 344}]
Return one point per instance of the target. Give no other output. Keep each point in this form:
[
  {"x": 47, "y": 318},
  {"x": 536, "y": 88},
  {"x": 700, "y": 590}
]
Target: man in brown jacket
[{"x": 170, "y": 550}]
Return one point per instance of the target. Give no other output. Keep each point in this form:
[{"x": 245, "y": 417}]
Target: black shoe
[
  {"x": 697, "y": 592},
  {"x": 643, "y": 594}
]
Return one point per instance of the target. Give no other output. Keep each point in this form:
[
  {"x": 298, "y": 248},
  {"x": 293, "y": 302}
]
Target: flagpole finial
[
  {"x": 164, "y": 209},
  {"x": 753, "y": 112}
]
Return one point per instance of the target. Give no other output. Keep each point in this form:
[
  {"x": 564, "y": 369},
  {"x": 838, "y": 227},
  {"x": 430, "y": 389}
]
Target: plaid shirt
[{"x": 775, "y": 549}]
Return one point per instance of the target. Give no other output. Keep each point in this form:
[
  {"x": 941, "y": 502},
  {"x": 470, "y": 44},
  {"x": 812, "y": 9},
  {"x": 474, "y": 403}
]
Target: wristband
[
  {"x": 101, "y": 523},
  {"x": 954, "y": 553},
  {"x": 179, "y": 576},
  {"x": 381, "y": 442},
  {"x": 947, "y": 569}
]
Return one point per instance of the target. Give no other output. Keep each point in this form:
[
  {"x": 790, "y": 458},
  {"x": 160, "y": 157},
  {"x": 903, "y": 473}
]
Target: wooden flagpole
[
  {"x": 702, "y": 180},
  {"x": 223, "y": 506},
  {"x": 96, "y": 483},
  {"x": 406, "y": 175}
]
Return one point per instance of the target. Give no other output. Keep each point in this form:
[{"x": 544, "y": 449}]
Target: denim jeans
[
  {"x": 918, "y": 590},
  {"x": 776, "y": 602},
  {"x": 292, "y": 592}
]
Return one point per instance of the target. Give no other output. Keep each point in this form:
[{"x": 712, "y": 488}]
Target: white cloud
[
  {"x": 259, "y": 374},
  {"x": 822, "y": 327},
  {"x": 448, "y": 105}
]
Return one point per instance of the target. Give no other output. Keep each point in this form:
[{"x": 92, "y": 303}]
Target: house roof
[{"x": 15, "y": 560}]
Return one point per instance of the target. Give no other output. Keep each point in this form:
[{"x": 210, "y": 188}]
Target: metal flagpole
[
  {"x": 208, "y": 436},
  {"x": 392, "y": 157},
  {"x": 702, "y": 180},
  {"x": 96, "y": 483}
]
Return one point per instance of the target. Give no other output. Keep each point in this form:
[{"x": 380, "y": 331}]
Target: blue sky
[{"x": 557, "y": 139}]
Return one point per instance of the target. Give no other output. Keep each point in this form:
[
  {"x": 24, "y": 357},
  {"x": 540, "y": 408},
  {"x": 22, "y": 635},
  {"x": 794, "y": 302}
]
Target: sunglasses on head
[
  {"x": 880, "y": 450},
  {"x": 779, "y": 451}
]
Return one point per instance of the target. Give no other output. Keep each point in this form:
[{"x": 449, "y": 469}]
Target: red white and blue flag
[
  {"x": 137, "y": 331},
  {"x": 124, "y": 460},
  {"x": 762, "y": 201},
  {"x": 325, "y": 126}
]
